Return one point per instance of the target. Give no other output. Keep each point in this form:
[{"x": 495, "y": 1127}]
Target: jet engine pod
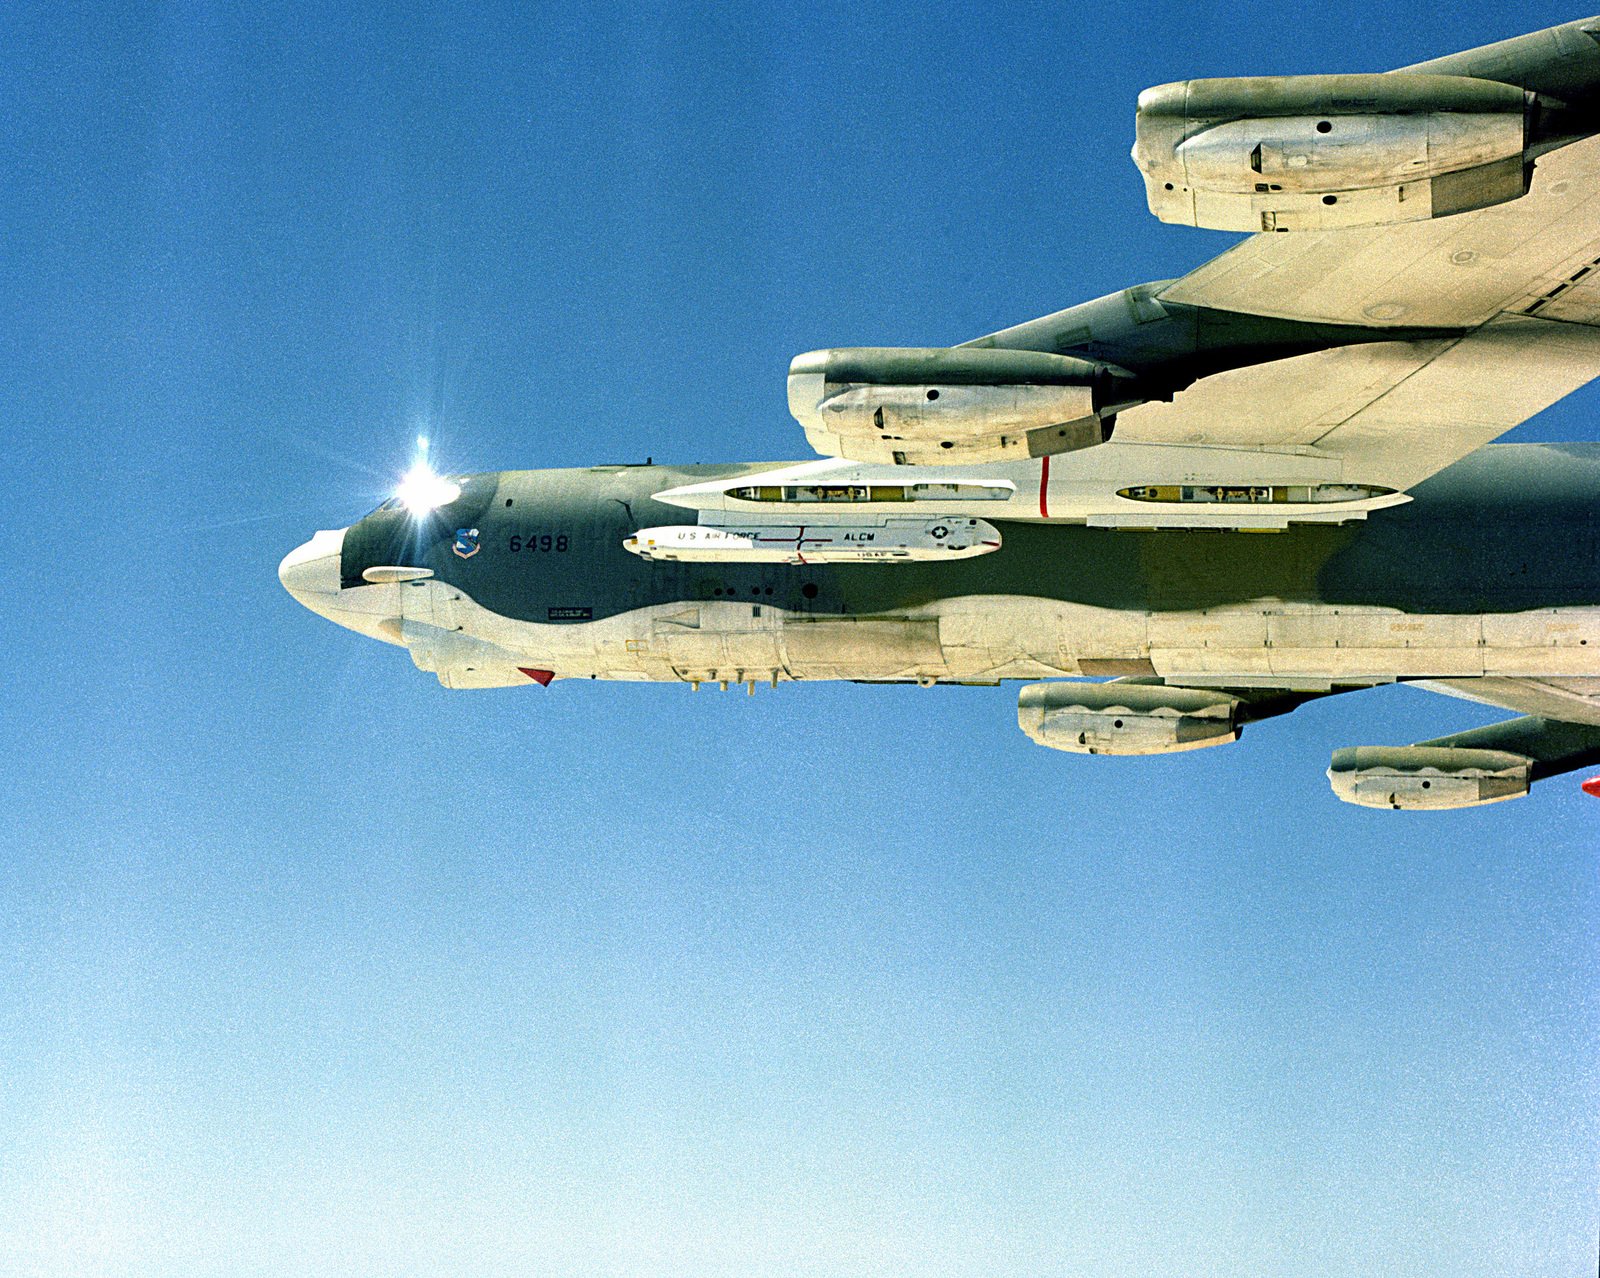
[
  {"x": 945, "y": 405},
  {"x": 1314, "y": 152},
  {"x": 1126, "y": 718},
  {"x": 1427, "y": 777}
]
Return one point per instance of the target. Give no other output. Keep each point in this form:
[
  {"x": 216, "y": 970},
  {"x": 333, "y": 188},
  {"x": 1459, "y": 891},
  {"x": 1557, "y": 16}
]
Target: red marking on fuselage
[
  {"x": 1044, "y": 487},
  {"x": 540, "y": 677},
  {"x": 1592, "y": 786}
]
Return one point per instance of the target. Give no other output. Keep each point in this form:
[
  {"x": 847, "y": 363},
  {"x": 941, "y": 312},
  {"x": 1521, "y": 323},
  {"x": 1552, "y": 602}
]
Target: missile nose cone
[{"x": 311, "y": 571}]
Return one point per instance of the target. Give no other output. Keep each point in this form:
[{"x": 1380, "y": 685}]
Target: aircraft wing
[
  {"x": 1557, "y": 732},
  {"x": 1567, "y": 700},
  {"x": 1520, "y": 281},
  {"x": 1524, "y": 257},
  {"x": 1385, "y": 351},
  {"x": 1562, "y": 699},
  {"x": 1391, "y": 412}
]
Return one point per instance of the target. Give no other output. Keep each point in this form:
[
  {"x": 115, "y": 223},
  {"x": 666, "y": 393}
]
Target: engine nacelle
[
  {"x": 1306, "y": 153},
  {"x": 947, "y": 405},
  {"x": 1428, "y": 777},
  {"x": 1125, "y": 718}
]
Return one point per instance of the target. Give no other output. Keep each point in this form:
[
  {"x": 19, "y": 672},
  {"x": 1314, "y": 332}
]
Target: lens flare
[{"x": 421, "y": 490}]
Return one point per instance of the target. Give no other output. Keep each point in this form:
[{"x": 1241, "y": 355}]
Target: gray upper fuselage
[{"x": 1508, "y": 529}]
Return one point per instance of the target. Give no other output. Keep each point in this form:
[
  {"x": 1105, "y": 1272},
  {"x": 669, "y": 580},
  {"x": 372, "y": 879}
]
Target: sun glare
[{"x": 421, "y": 490}]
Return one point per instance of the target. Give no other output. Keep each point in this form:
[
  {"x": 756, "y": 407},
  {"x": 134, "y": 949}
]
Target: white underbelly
[
  {"x": 1003, "y": 636},
  {"x": 1373, "y": 643}
]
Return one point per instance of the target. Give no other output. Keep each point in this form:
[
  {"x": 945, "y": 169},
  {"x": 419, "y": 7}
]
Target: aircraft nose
[{"x": 312, "y": 570}]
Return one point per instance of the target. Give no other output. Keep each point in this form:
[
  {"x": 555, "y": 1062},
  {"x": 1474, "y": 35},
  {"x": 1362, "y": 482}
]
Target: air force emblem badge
[{"x": 466, "y": 542}]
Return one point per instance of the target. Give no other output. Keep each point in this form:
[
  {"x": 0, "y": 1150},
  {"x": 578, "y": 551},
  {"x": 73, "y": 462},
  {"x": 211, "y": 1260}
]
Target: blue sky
[{"x": 309, "y": 966}]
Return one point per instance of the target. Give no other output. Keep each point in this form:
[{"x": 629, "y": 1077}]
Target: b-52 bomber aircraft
[{"x": 1081, "y": 495}]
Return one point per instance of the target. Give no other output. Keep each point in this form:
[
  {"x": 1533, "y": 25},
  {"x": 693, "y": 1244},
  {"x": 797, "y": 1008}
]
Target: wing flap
[{"x": 1575, "y": 299}]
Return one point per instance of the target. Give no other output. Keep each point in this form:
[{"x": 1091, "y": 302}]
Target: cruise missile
[{"x": 892, "y": 540}]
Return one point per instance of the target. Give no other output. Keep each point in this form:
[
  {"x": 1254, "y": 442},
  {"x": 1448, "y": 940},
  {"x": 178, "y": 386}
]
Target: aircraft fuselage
[{"x": 1492, "y": 569}]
